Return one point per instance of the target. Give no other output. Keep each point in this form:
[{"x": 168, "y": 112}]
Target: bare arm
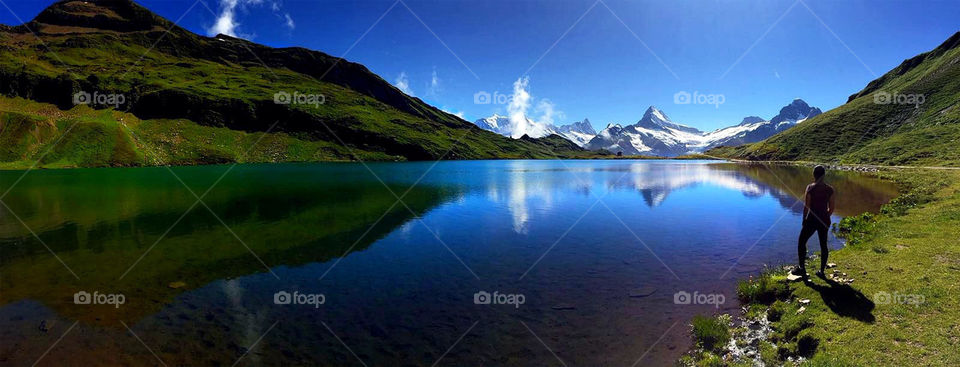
[
  {"x": 806, "y": 205},
  {"x": 831, "y": 206}
]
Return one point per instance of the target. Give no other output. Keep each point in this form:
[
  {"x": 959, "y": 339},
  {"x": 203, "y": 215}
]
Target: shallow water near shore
[{"x": 480, "y": 263}]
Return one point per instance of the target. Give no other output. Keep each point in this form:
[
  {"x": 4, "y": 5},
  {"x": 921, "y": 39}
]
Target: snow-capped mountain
[
  {"x": 516, "y": 127},
  {"x": 655, "y": 134},
  {"x": 754, "y": 129},
  {"x": 579, "y": 132},
  {"x": 795, "y": 112},
  {"x": 496, "y": 123}
]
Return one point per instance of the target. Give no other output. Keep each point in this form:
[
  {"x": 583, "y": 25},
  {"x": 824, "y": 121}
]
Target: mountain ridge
[
  {"x": 656, "y": 134},
  {"x": 515, "y": 127},
  {"x": 117, "y": 47}
]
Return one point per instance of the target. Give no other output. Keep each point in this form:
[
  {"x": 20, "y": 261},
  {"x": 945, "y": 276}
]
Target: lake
[{"x": 598, "y": 262}]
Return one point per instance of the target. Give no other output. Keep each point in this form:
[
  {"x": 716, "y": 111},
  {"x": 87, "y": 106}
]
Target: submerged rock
[{"x": 642, "y": 292}]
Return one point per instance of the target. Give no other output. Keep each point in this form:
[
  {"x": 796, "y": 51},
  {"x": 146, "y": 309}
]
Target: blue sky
[{"x": 581, "y": 61}]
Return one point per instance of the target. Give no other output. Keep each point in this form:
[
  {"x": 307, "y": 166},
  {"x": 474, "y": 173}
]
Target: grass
[
  {"x": 83, "y": 137},
  {"x": 710, "y": 333},
  {"x": 922, "y": 257},
  {"x": 901, "y": 308},
  {"x": 765, "y": 289}
]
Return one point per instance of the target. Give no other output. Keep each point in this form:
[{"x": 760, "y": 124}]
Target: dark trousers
[{"x": 811, "y": 225}]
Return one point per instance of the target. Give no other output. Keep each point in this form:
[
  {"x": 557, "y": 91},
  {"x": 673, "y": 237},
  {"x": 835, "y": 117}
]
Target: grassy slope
[
  {"x": 911, "y": 248},
  {"x": 99, "y": 138},
  {"x": 222, "y": 83},
  {"x": 108, "y": 138},
  {"x": 862, "y": 131},
  {"x": 914, "y": 253}
]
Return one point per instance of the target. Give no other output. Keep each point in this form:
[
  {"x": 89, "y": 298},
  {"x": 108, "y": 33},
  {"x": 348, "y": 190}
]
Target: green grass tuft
[{"x": 710, "y": 333}]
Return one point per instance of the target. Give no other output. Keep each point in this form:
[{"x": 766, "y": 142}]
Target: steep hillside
[
  {"x": 103, "y": 49},
  {"x": 910, "y": 115}
]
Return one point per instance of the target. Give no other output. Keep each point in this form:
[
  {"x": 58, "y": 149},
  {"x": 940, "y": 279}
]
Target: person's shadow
[{"x": 845, "y": 301}]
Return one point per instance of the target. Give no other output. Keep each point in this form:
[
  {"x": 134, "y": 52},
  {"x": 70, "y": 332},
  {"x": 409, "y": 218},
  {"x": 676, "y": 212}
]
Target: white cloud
[
  {"x": 547, "y": 112},
  {"x": 518, "y": 111},
  {"x": 518, "y": 106},
  {"x": 434, "y": 88},
  {"x": 457, "y": 113},
  {"x": 227, "y": 21},
  {"x": 403, "y": 83}
]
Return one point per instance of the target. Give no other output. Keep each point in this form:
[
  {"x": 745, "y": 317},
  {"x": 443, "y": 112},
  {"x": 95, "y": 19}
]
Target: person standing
[{"x": 817, "y": 209}]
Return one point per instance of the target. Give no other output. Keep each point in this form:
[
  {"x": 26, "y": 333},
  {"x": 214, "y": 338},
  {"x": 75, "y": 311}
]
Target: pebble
[{"x": 804, "y": 301}]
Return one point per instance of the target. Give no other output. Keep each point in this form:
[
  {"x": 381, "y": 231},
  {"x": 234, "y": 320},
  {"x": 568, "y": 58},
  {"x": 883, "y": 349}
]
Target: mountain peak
[
  {"x": 582, "y": 127},
  {"x": 798, "y": 110},
  {"x": 655, "y": 119},
  {"x": 751, "y": 120},
  {"x": 73, "y": 16},
  {"x": 654, "y": 114}
]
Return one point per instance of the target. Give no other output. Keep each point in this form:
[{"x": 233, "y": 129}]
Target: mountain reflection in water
[{"x": 576, "y": 238}]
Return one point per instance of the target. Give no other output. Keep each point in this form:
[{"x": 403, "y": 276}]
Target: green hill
[
  {"x": 908, "y": 116},
  {"x": 193, "y": 99}
]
